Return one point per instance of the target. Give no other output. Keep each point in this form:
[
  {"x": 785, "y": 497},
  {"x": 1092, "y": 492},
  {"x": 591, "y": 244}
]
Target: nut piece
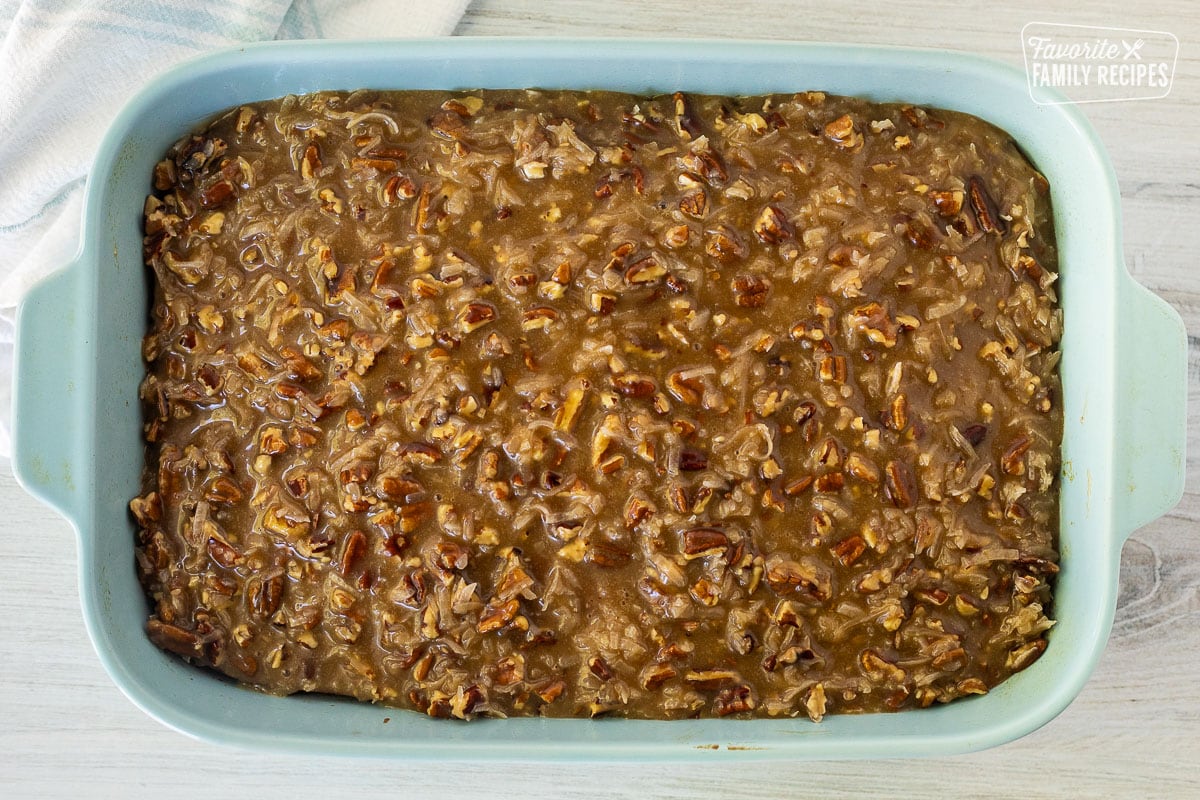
[
  {"x": 497, "y": 615},
  {"x": 475, "y": 315},
  {"x": 899, "y": 485},
  {"x": 725, "y": 245},
  {"x": 694, "y": 204},
  {"x": 879, "y": 669},
  {"x": 807, "y": 578},
  {"x": 699, "y": 542},
  {"x": 986, "y": 213},
  {"x": 772, "y": 226},
  {"x": 265, "y": 595},
  {"x": 539, "y": 318},
  {"x": 873, "y": 320},
  {"x": 634, "y": 384},
  {"x": 750, "y": 291},
  {"x": 643, "y": 271},
  {"x": 603, "y": 554},
  {"x": 844, "y": 133},
  {"x": 176, "y": 639},
  {"x": 862, "y": 468},
  {"x": 948, "y": 203},
  {"x": 849, "y": 550},
  {"x": 1012, "y": 461}
]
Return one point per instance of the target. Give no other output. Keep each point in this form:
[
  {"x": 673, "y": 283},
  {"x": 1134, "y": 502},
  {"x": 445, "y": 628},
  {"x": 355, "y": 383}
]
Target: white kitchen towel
[{"x": 67, "y": 67}]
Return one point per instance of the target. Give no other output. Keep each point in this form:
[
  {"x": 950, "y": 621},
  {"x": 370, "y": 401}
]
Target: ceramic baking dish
[{"x": 78, "y": 424}]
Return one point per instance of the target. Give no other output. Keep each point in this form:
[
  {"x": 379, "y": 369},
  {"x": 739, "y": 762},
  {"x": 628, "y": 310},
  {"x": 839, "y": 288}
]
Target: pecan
[
  {"x": 920, "y": 233},
  {"x": 645, "y": 270},
  {"x": 786, "y": 615},
  {"x": 920, "y": 118},
  {"x": 1012, "y": 461},
  {"x": 808, "y": 578},
  {"x": 633, "y": 384},
  {"x": 1026, "y": 654},
  {"x": 986, "y": 213},
  {"x": 895, "y": 416},
  {"x": 418, "y": 452},
  {"x": 849, "y": 550},
  {"x": 879, "y": 669},
  {"x": 694, "y": 204},
  {"x": 602, "y": 303},
  {"x": 175, "y": 639},
  {"x": 550, "y": 690},
  {"x": 899, "y": 485},
  {"x": 310, "y": 162},
  {"x": 475, "y": 316},
  {"x": 692, "y": 460},
  {"x": 453, "y": 556},
  {"x": 685, "y": 118},
  {"x": 448, "y": 125},
  {"x": 830, "y": 482},
  {"x": 497, "y": 615},
  {"x": 216, "y": 194},
  {"x": 603, "y": 554},
  {"x": 222, "y": 552},
  {"x": 862, "y": 468},
  {"x": 725, "y": 245},
  {"x": 948, "y": 203},
  {"x": 704, "y": 541},
  {"x": 148, "y": 510},
  {"x": 636, "y": 511},
  {"x": 844, "y": 133},
  {"x": 798, "y": 486},
  {"x": 655, "y": 675},
  {"x": 975, "y": 433},
  {"x": 706, "y": 164},
  {"x": 688, "y": 391},
  {"x": 539, "y": 318},
  {"x": 677, "y": 236},
  {"x": 833, "y": 368},
  {"x": 734, "y": 700},
  {"x": 395, "y": 487},
  {"x": 354, "y": 547},
  {"x": 873, "y": 320},
  {"x": 265, "y": 595},
  {"x": 750, "y": 291},
  {"x": 600, "y": 668},
  {"x": 814, "y": 702},
  {"x": 772, "y": 226}
]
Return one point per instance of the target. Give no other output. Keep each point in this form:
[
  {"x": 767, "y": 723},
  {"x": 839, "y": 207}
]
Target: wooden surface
[{"x": 65, "y": 730}]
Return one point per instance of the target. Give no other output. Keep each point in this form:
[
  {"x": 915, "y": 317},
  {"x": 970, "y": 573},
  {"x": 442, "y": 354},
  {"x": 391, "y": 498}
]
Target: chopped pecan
[
  {"x": 750, "y": 291},
  {"x": 632, "y": 384},
  {"x": 176, "y": 639},
  {"x": 899, "y": 485},
  {"x": 725, "y": 245},
  {"x": 986, "y": 213},
  {"x": 772, "y": 226},
  {"x": 694, "y": 203},
  {"x": 704, "y": 541},
  {"x": 1012, "y": 461},
  {"x": 807, "y": 577}
]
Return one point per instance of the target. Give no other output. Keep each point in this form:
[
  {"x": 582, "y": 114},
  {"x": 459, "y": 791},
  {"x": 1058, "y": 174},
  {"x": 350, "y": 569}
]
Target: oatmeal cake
[{"x": 581, "y": 403}]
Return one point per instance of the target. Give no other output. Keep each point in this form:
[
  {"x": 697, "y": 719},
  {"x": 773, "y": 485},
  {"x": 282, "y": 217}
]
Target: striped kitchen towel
[{"x": 69, "y": 65}]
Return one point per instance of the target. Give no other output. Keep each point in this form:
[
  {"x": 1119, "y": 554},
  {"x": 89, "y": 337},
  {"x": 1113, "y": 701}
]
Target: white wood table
[{"x": 65, "y": 730}]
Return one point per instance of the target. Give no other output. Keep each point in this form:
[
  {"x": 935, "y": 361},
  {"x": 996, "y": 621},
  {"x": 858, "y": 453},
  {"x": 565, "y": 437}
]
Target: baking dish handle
[
  {"x": 47, "y": 437},
  {"x": 1151, "y": 407}
]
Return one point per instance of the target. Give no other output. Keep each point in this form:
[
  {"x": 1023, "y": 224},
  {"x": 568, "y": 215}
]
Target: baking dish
[{"x": 78, "y": 421}]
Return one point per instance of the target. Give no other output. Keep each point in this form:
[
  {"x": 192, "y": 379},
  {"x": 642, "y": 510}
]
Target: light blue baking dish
[{"x": 78, "y": 426}]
